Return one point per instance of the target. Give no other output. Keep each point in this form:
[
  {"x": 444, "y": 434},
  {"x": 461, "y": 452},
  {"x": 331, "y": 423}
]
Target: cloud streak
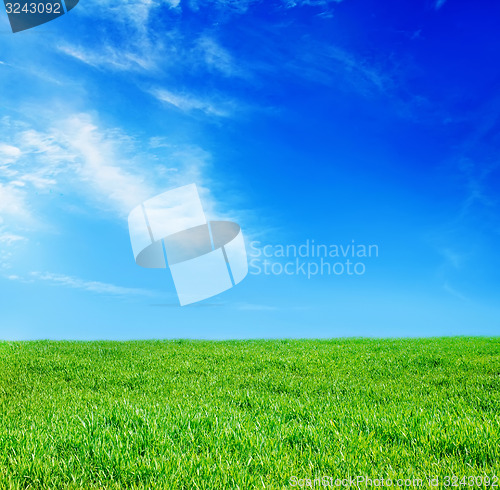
[
  {"x": 75, "y": 153},
  {"x": 100, "y": 166},
  {"x": 112, "y": 58},
  {"x": 103, "y": 166},
  {"x": 188, "y": 103},
  {"x": 10, "y": 238},
  {"x": 13, "y": 203},
  {"x": 96, "y": 287}
]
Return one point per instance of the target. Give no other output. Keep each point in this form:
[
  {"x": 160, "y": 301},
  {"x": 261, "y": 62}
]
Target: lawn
[{"x": 248, "y": 414}]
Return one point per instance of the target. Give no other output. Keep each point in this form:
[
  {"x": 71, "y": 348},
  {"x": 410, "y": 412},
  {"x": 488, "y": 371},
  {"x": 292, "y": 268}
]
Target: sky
[{"x": 344, "y": 123}]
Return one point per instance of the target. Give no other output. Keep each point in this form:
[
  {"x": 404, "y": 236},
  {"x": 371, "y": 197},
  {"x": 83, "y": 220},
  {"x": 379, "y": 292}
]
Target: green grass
[{"x": 246, "y": 414}]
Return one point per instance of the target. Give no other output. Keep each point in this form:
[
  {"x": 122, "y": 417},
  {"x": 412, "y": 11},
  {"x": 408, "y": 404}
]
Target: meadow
[{"x": 248, "y": 414}]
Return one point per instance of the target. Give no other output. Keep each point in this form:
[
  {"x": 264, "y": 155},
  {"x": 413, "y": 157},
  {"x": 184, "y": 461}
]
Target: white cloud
[
  {"x": 449, "y": 289},
  {"x": 330, "y": 64},
  {"x": 453, "y": 258},
  {"x": 13, "y": 203},
  {"x": 360, "y": 67},
  {"x": 45, "y": 149},
  {"x": 103, "y": 165},
  {"x": 77, "y": 155},
  {"x": 147, "y": 41},
  {"x": 219, "y": 58},
  {"x": 242, "y": 6},
  {"x": 77, "y": 283},
  {"x": 188, "y": 103},
  {"x": 131, "y": 12},
  {"x": 38, "y": 181},
  {"x": 10, "y": 238},
  {"x": 100, "y": 167},
  {"x": 114, "y": 58},
  {"x": 9, "y": 243},
  {"x": 312, "y": 3},
  {"x": 8, "y": 153},
  {"x": 135, "y": 47},
  {"x": 255, "y": 307},
  {"x": 318, "y": 63},
  {"x": 233, "y": 6}
]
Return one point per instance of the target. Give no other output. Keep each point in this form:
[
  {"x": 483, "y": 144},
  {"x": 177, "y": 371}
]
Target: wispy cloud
[
  {"x": 8, "y": 153},
  {"x": 106, "y": 167},
  {"x": 470, "y": 173},
  {"x": 475, "y": 178},
  {"x": 9, "y": 243},
  {"x": 135, "y": 45},
  {"x": 255, "y": 307},
  {"x": 450, "y": 290},
  {"x": 189, "y": 103},
  {"x": 155, "y": 60},
  {"x": 440, "y": 3},
  {"x": 81, "y": 284},
  {"x": 453, "y": 258},
  {"x": 305, "y": 59},
  {"x": 112, "y": 57},
  {"x": 10, "y": 238},
  {"x": 360, "y": 68},
  {"x": 218, "y": 58},
  {"x": 132, "y": 13},
  {"x": 75, "y": 153},
  {"x": 13, "y": 203},
  {"x": 242, "y": 6},
  {"x": 73, "y": 163},
  {"x": 100, "y": 165},
  {"x": 312, "y": 3},
  {"x": 330, "y": 64}
]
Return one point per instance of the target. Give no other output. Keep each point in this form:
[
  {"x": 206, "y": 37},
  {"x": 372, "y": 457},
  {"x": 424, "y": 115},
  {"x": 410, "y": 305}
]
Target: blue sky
[{"x": 330, "y": 121}]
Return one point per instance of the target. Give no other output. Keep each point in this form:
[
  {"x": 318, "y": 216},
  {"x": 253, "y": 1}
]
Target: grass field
[{"x": 246, "y": 414}]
